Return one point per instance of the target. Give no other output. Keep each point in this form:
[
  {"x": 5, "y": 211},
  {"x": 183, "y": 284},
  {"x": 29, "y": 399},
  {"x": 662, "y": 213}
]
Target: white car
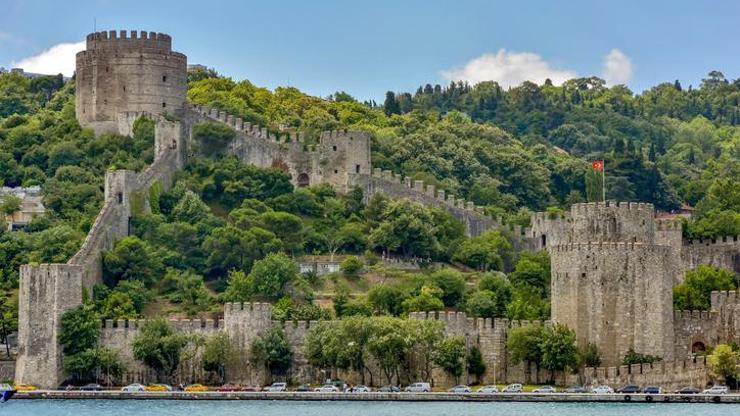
[
  {"x": 513, "y": 388},
  {"x": 602, "y": 390},
  {"x": 276, "y": 387},
  {"x": 134, "y": 387},
  {"x": 488, "y": 389},
  {"x": 460, "y": 388},
  {"x": 715, "y": 390},
  {"x": 545, "y": 389},
  {"x": 361, "y": 389},
  {"x": 418, "y": 388},
  {"x": 327, "y": 388}
]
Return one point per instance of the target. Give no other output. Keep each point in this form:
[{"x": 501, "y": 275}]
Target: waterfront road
[{"x": 376, "y": 396}]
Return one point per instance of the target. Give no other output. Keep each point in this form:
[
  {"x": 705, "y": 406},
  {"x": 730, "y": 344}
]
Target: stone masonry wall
[
  {"x": 721, "y": 252},
  {"x": 118, "y": 73},
  {"x": 670, "y": 375}
]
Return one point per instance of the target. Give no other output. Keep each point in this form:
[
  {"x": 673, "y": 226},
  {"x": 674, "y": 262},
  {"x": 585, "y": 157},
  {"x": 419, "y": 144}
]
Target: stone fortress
[{"x": 613, "y": 264}]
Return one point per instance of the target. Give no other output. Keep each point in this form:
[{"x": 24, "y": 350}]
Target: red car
[{"x": 229, "y": 387}]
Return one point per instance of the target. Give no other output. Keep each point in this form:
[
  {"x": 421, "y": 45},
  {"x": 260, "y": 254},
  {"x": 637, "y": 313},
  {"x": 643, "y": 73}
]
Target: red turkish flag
[{"x": 597, "y": 164}]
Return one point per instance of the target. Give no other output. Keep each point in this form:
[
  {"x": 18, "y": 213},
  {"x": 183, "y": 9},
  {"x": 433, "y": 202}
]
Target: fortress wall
[
  {"x": 670, "y": 375},
  {"x": 721, "y": 252},
  {"x": 693, "y": 328},
  {"x": 618, "y": 295}
]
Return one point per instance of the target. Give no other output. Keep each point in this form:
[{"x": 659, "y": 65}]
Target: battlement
[
  {"x": 183, "y": 325},
  {"x": 693, "y": 316},
  {"x": 544, "y": 217},
  {"x": 585, "y": 208},
  {"x": 253, "y": 309},
  {"x": 668, "y": 225},
  {"x": 133, "y": 39},
  {"x": 610, "y": 246},
  {"x": 720, "y": 299},
  {"x": 720, "y": 241}
]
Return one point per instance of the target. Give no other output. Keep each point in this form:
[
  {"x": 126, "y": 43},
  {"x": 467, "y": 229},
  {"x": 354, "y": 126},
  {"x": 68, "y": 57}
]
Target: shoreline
[{"x": 376, "y": 396}]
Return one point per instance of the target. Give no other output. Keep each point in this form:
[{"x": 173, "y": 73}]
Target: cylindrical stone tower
[{"x": 121, "y": 72}]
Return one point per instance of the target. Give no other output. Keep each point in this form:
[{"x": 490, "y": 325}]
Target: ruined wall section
[
  {"x": 118, "y": 73},
  {"x": 618, "y": 295},
  {"x": 550, "y": 230}
]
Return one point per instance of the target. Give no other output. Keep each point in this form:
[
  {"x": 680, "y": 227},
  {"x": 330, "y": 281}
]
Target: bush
[{"x": 351, "y": 266}]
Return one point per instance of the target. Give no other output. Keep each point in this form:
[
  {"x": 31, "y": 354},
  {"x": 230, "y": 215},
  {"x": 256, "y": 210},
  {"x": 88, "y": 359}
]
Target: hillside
[{"x": 213, "y": 237}]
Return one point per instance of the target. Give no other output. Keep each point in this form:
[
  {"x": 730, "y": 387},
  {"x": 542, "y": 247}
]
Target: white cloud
[
  {"x": 59, "y": 58},
  {"x": 509, "y": 69},
  {"x": 617, "y": 68}
]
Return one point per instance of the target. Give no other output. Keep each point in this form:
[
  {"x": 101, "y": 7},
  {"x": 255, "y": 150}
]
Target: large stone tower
[
  {"x": 120, "y": 72},
  {"x": 612, "y": 279}
]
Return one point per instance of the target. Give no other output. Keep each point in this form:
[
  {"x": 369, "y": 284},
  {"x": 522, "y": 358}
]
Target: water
[{"x": 284, "y": 408}]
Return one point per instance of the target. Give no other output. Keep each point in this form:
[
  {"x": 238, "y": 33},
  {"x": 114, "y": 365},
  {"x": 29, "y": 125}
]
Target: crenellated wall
[
  {"x": 117, "y": 73},
  {"x": 721, "y": 252},
  {"x": 669, "y": 375}
]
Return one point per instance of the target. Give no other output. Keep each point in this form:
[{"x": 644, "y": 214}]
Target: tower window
[
  {"x": 336, "y": 171},
  {"x": 120, "y": 197},
  {"x": 357, "y": 168},
  {"x": 164, "y": 78},
  {"x": 164, "y": 105},
  {"x": 334, "y": 148},
  {"x": 124, "y": 88}
]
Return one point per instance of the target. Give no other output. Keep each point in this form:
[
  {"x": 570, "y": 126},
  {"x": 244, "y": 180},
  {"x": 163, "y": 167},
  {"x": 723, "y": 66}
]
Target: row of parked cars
[{"x": 418, "y": 387}]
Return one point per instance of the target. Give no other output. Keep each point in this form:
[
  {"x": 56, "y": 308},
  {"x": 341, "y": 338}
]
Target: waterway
[{"x": 338, "y": 408}]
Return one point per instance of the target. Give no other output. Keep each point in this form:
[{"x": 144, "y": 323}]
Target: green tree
[
  {"x": 213, "y": 137},
  {"x": 80, "y": 329},
  {"x": 238, "y": 287},
  {"x": 427, "y": 300},
  {"x": 450, "y": 356},
  {"x": 525, "y": 344},
  {"x": 132, "y": 259},
  {"x": 559, "y": 351},
  {"x": 8, "y": 320},
  {"x": 271, "y": 274},
  {"x": 696, "y": 290},
  {"x": 160, "y": 347},
  {"x": 476, "y": 364},
  {"x": 634, "y": 357},
  {"x": 487, "y": 251},
  {"x": 9, "y": 204},
  {"x": 724, "y": 362},
  {"x": 452, "y": 284},
  {"x": 590, "y": 356},
  {"x": 218, "y": 354},
  {"x": 272, "y": 350}
]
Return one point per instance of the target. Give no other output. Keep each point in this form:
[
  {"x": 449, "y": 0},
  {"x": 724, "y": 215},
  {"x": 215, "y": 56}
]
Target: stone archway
[
  {"x": 303, "y": 180},
  {"x": 698, "y": 347}
]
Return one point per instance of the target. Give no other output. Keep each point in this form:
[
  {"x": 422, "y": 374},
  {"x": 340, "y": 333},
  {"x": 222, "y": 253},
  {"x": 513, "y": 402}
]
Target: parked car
[
  {"x": 279, "y": 386},
  {"x": 545, "y": 389},
  {"x": 418, "y": 388},
  {"x": 25, "y": 387},
  {"x": 629, "y": 388},
  {"x": 251, "y": 388},
  {"x": 389, "y": 389},
  {"x": 460, "y": 388},
  {"x": 488, "y": 389},
  {"x": 652, "y": 390},
  {"x": 91, "y": 387},
  {"x": 361, "y": 389},
  {"x": 196, "y": 388},
  {"x": 716, "y": 390},
  {"x": 688, "y": 390},
  {"x": 576, "y": 389},
  {"x": 603, "y": 389},
  {"x": 513, "y": 388},
  {"x": 303, "y": 388},
  {"x": 327, "y": 388},
  {"x": 228, "y": 387},
  {"x": 134, "y": 387},
  {"x": 158, "y": 387}
]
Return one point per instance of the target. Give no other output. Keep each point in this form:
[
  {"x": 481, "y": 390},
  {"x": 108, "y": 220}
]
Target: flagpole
[{"x": 603, "y": 180}]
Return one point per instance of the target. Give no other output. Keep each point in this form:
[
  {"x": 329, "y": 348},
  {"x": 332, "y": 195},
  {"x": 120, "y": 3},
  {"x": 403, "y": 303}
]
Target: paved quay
[{"x": 376, "y": 396}]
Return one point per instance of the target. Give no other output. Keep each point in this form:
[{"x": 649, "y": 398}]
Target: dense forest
[{"x": 230, "y": 232}]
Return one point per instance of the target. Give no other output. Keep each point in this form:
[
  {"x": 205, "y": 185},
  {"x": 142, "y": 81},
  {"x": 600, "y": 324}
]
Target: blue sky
[{"x": 368, "y": 47}]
